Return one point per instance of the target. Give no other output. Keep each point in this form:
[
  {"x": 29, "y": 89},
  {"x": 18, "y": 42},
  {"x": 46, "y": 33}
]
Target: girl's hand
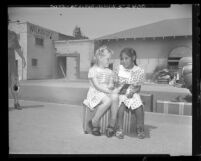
[
  {"x": 135, "y": 89},
  {"x": 130, "y": 95},
  {"x": 117, "y": 90},
  {"x": 99, "y": 87}
]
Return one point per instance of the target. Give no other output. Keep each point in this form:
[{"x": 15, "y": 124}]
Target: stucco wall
[
  {"x": 84, "y": 47},
  {"x": 45, "y": 54}
]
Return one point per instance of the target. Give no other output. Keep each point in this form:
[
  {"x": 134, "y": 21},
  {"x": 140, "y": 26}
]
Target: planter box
[
  {"x": 169, "y": 107},
  {"x": 147, "y": 100}
]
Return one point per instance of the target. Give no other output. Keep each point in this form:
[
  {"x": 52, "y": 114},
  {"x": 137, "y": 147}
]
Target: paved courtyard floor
[{"x": 51, "y": 128}]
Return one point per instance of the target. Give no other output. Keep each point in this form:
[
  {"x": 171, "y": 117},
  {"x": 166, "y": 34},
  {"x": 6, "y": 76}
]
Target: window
[
  {"x": 34, "y": 62},
  {"x": 39, "y": 41}
]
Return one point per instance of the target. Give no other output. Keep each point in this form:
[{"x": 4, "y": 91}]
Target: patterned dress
[
  {"x": 105, "y": 78},
  {"x": 12, "y": 45},
  {"x": 133, "y": 76}
]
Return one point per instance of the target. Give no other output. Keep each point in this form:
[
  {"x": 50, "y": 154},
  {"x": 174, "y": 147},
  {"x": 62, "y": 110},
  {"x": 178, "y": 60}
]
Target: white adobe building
[{"x": 37, "y": 44}]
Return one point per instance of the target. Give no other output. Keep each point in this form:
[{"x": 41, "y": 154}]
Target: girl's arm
[
  {"x": 111, "y": 85},
  {"x": 95, "y": 83},
  {"x": 134, "y": 89}
]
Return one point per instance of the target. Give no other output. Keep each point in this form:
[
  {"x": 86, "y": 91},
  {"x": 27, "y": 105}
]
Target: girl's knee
[
  {"x": 141, "y": 108},
  {"x": 115, "y": 97},
  {"x": 139, "y": 111},
  {"x": 107, "y": 100}
]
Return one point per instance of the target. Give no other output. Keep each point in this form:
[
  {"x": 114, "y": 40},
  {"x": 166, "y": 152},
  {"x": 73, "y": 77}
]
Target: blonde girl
[{"x": 101, "y": 93}]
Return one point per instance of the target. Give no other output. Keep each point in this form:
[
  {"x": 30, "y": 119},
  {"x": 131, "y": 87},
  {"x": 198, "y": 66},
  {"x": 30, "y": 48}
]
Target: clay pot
[
  {"x": 184, "y": 61},
  {"x": 187, "y": 75},
  {"x": 185, "y": 70}
]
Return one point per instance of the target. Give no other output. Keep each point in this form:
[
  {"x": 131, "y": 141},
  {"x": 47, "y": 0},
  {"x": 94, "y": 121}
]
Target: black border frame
[{"x": 196, "y": 117}]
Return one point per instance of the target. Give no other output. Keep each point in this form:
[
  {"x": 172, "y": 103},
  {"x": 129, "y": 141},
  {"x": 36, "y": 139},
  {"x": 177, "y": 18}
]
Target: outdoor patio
[{"x": 50, "y": 128}]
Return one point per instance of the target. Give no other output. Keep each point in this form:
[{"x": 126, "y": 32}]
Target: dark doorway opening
[{"x": 61, "y": 67}]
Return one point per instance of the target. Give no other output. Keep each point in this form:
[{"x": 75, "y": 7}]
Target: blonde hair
[{"x": 100, "y": 53}]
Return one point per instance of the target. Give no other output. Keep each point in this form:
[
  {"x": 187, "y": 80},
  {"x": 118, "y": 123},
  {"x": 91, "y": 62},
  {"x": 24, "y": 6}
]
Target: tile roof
[{"x": 164, "y": 28}]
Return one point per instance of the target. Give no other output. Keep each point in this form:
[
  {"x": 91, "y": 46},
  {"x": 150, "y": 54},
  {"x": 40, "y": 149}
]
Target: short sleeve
[
  {"x": 92, "y": 73},
  {"x": 137, "y": 77}
]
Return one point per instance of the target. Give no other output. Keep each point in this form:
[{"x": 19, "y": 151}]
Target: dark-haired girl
[{"x": 128, "y": 72}]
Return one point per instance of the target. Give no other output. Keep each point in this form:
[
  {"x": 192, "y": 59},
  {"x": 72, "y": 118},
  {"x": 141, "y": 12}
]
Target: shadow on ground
[
  {"x": 25, "y": 107},
  {"x": 147, "y": 128}
]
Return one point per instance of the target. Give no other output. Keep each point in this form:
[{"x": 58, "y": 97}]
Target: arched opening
[{"x": 176, "y": 54}]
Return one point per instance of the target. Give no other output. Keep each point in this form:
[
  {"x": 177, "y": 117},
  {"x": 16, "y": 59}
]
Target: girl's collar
[
  {"x": 100, "y": 67},
  {"x": 131, "y": 69}
]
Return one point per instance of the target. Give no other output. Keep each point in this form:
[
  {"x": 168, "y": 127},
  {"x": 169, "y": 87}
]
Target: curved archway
[
  {"x": 176, "y": 54},
  {"x": 181, "y": 51}
]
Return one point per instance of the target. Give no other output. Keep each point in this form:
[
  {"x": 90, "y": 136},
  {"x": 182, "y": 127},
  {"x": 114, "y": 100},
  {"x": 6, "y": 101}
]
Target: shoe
[
  {"x": 110, "y": 131},
  {"x": 17, "y": 106},
  {"x": 119, "y": 134},
  {"x": 94, "y": 130},
  {"x": 140, "y": 133}
]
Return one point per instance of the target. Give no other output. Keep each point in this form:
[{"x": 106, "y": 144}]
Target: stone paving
[{"x": 51, "y": 128}]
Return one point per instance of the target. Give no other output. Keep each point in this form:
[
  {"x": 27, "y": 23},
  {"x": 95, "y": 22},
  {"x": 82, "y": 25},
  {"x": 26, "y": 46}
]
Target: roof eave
[{"x": 101, "y": 39}]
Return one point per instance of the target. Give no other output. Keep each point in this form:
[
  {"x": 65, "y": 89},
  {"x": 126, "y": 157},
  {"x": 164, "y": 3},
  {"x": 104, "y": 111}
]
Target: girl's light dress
[
  {"x": 105, "y": 77},
  {"x": 133, "y": 76}
]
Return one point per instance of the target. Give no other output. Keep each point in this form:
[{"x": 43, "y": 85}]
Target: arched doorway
[{"x": 176, "y": 54}]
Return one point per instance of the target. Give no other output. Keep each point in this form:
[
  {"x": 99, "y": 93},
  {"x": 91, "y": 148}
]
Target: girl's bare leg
[
  {"x": 114, "y": 109},
  {"x": 139, "y": 113},
  {"x": 120, "y": 115},
  {"x": 119, "y": 131},
  {"x": 101, "y": 109}
]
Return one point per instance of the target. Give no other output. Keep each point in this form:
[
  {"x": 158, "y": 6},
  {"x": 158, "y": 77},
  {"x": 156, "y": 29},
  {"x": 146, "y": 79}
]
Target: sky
[{"x": 96, "y": 22}]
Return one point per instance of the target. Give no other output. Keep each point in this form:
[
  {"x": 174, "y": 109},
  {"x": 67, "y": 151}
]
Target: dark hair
[{"x": 130, "y": 52}]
